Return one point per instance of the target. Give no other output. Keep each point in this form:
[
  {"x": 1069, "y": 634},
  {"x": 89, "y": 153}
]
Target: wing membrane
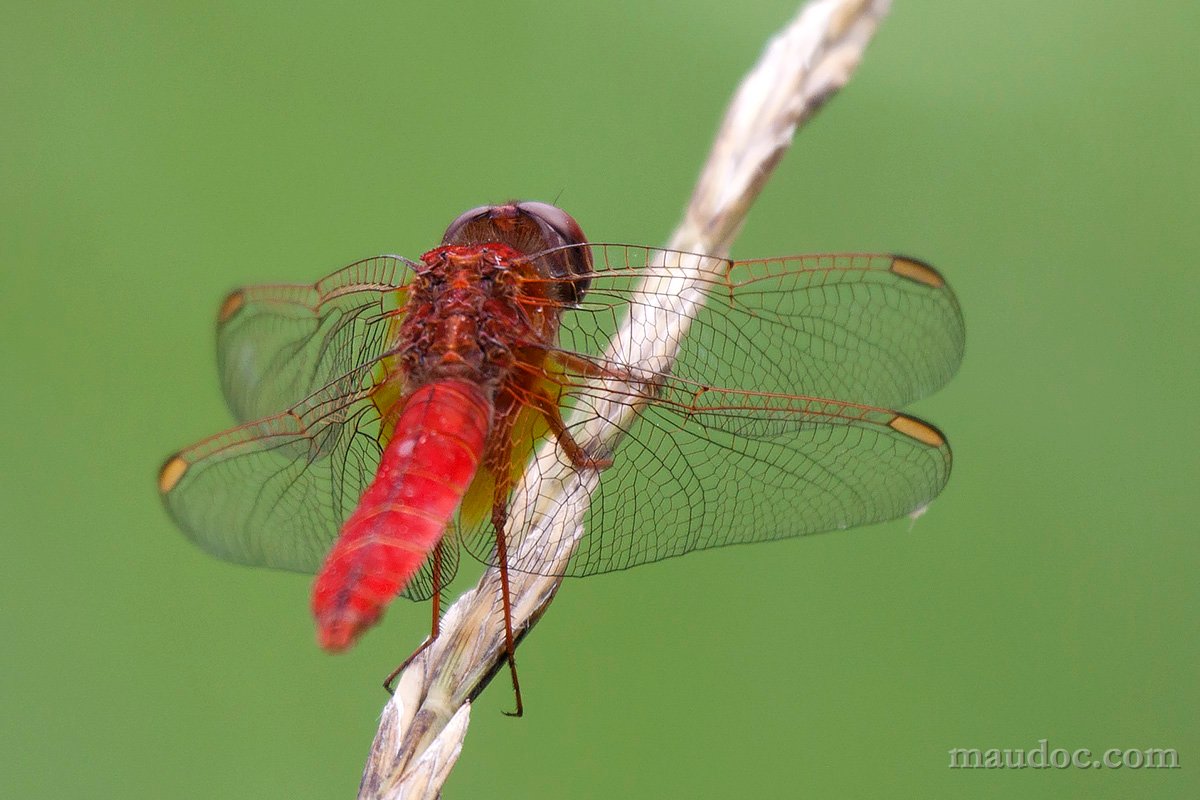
[
  {"x": 876, "y": 329},
  {"x": 278, "y": 344},
  {"x": 275, "y": 492},
  {"x": 705, "y": 468},
  {"x": 701, "y": 467}
]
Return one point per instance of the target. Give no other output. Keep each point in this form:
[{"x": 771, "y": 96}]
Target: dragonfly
[{"x": 387, "y": 411}]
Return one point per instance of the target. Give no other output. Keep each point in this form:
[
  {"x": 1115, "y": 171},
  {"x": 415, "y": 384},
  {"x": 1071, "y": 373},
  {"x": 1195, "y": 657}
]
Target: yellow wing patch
[
  {"x": 230, "y": 305},
  {"x": 915, "y": 429},
  {"x": 917, "y": 271},
  {"x": 171, "y": 472}
]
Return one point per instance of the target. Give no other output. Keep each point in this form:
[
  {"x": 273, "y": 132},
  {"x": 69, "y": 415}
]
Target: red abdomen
[{"x": 423, "y": 474}]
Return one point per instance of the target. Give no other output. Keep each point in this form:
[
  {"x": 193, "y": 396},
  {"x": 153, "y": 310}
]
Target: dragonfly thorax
[{"x": 464, "y": 316}]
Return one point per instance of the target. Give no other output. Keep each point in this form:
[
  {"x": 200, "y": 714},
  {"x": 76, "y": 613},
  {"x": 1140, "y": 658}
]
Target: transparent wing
[
  {"x": 725, "y": 468},
  {"x": 275, "y": 492},
  {"x": 704, "y": 466},
  {"x": 763, "y": 458},
  {"x": 882, "y": 330},
  {"x": 277, "y": 345}
]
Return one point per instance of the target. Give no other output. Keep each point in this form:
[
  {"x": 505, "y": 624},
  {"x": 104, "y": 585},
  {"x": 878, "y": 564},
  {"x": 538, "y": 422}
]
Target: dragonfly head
[{"x": 531, "y": 228}]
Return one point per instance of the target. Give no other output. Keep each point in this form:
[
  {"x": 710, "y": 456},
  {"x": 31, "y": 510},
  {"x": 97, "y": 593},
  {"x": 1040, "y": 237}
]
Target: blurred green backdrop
[{"x": 1043, "y": 155}]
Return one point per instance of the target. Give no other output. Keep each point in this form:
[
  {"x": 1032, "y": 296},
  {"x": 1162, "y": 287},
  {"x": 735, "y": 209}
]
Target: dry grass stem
[{"x": 422, "y": 728}]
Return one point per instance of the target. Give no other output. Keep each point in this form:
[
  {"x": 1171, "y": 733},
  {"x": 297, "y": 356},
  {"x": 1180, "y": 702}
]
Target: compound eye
[
  {"x": 560, "y": 228},
  {"x": 558, "y": 220},
  {"x": 454, "y": 231}
]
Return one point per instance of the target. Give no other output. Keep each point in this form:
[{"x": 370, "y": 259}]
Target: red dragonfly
[{"x": 389, "y": 409}]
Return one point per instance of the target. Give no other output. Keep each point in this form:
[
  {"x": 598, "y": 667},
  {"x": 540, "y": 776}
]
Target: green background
[{"x": 1043, "y": 155}]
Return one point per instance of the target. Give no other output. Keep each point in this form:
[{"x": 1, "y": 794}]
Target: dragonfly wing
[
  {"x": 881, "y": 330},
  {"x": 701, "y": 471},
  {"x": 704, "y": 467},
  {"x": 275, "y": 492},
  {"x": 279, "y": 344}
]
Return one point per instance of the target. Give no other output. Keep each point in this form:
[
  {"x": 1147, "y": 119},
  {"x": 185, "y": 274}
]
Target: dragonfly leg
[
  {"x": 553, "y": 416},
  {"x": 499, "y": 523},
  {"x": 389, "y": 681},
  {"x": 585, "y": 367}
]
